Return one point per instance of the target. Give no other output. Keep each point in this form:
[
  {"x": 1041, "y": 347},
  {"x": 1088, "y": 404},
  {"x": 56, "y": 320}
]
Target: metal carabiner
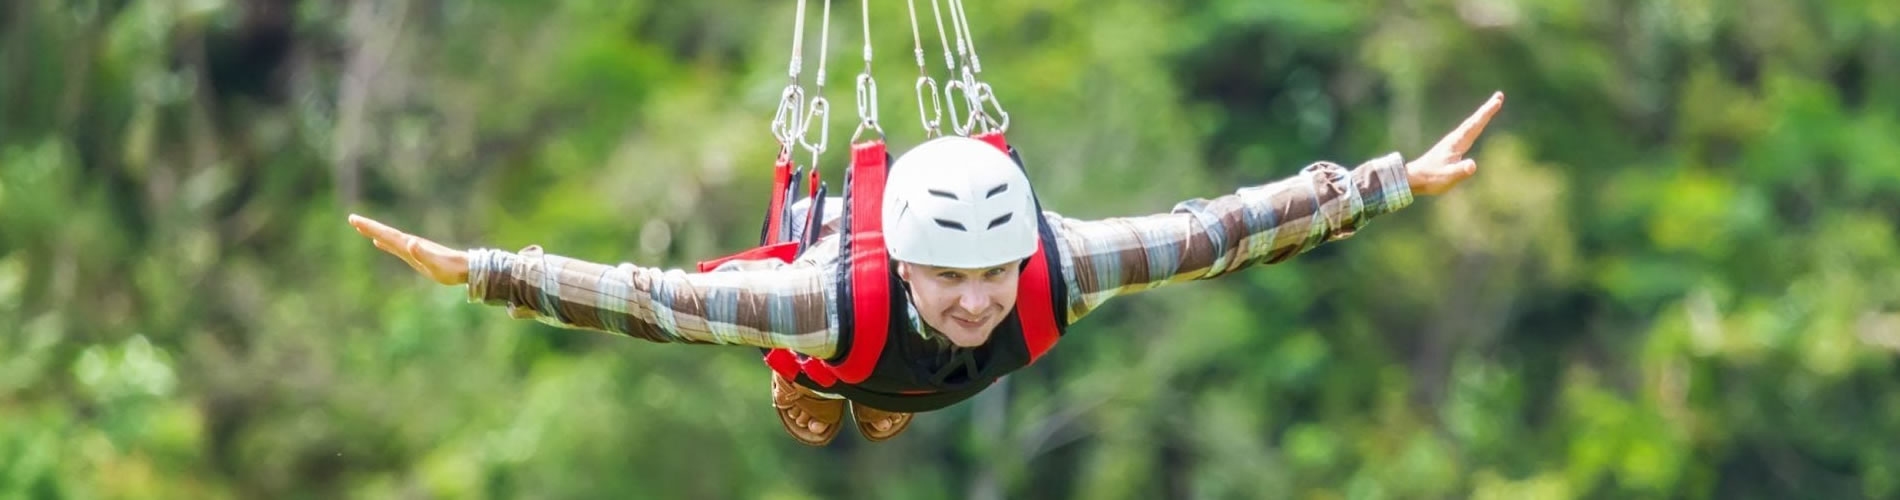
[
  {"x": 973, "y": 99},
  {"x": 960, "y": 123},
  {"x": 933, "y": 121},
  {"x": 989, "y": 96},
  {"x": 786, "y": 122},
  {"x": 820, "y": 108},
  {"x": 867, "y": 107}
]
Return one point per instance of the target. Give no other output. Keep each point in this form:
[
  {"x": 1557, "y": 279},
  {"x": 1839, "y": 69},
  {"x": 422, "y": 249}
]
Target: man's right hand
[
  {"x": 1444, "y": 166},
  {"x": 445, "y": 265}
]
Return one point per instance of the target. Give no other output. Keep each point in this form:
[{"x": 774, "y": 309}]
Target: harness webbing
[
  {"x": 1033, "y": 305},
  {"x": 869, "y": 270},
  {"x": 775, "y": 240},
  {"x": 775, "y": 230},
  {"x": 869, "y": 276},
  {"x": 870, "y": 264}
]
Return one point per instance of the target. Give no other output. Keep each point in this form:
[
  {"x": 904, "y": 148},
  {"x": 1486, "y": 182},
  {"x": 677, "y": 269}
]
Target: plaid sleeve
[
  {"x": 1201, "y": 238},
  {"x": 772, "y": 306}
]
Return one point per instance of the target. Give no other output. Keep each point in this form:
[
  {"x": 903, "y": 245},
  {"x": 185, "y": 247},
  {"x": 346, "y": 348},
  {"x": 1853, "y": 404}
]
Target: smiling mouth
[{"x": 967, "y": 323}]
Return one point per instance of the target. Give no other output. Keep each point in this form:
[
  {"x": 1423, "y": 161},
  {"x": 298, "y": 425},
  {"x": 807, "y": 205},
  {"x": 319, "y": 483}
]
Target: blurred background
[{"x": 1675, "y": 275}]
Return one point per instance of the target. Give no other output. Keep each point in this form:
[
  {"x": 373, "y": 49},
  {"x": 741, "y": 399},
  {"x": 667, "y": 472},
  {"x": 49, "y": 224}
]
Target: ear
[{"x": 903, "y": 271}]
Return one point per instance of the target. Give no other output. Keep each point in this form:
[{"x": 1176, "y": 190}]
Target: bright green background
[{"x": 1674, "y": 276}]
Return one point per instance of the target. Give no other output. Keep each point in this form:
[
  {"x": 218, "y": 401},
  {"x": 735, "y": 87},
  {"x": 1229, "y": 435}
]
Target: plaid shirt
[{"x": 780, "y": 305}]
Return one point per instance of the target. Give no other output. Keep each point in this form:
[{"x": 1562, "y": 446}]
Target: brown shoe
[
  {"x": 799, "y": 408},
  {"x": 870, "y": 420}
]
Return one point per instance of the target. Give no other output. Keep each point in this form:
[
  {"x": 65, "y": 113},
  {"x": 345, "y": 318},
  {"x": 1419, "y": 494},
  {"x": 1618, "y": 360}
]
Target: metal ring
[
  {"x": 867, "y": 98},
  {"x": 933, "y": 122},
  {"x": 785, "y": 123},
  {"x": 961, "y": 124},
  {"x": 820, "y": 108},
  {"x": 989, "y": 96},
  {"x": 867, "y": 107},
  {"x": 871, "y": 126}
]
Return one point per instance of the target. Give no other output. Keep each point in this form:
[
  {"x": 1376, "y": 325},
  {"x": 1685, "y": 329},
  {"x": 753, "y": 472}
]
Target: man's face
[{"x": 963, "y": 304}]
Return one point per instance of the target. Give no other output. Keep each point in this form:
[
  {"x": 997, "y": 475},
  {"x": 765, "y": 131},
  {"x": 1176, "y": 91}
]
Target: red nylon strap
[
  {"x": 775, "y": 213},
  {"x": 870, "y": 267},
  {"x": 783, "y": 361},
  {"x": 819, "y": 372},
  {"x": 1033, "y": 304},
  {"x": 783, "y": 251},
  {"x": 781, "y": 178},
  {"x": 995, "y": 139}
]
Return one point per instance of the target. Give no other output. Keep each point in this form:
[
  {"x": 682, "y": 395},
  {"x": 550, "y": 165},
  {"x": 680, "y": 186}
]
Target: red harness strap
[
  {"x": 770, "y": 245},
  {"x": 995, "y": 139},
  {"x": 870, "y": 264},
  {"x": 1033, "y": 305},
  {"x": 870, "y": 281},
  {"x": 784, "y": 251},
  {"x": 781, "y": 180}
]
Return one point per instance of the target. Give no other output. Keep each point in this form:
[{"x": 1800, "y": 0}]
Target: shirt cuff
[
  {"x": 484, "y": 266},
  {"x": 1383, "y": 185}
]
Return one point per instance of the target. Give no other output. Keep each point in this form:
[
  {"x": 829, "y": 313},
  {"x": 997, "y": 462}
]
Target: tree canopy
[{"x": 1676, "y": 273}]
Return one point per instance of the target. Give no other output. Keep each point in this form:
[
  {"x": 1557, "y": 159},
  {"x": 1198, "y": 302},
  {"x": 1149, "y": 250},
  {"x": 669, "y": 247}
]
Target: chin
[{"x": 967, "y": 339}]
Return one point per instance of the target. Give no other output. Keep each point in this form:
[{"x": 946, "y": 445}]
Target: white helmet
[{"x": 958, "y": 202}]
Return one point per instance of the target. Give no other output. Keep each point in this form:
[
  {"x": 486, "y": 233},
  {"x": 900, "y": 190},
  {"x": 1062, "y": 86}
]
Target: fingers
[
  {"x": 1461, "y": 139},
  {"x": 1441, "y": 178},
  {"x": 388, "y": 239},
  {"x": 433, "y": 260},
  {"x": 407, "y": 258},
  {"x": 411, "y": 245},
  {"x": 376, "y": 230}
]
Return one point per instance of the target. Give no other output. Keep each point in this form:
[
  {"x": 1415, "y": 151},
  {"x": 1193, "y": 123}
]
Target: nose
[{"x": 973, "y": 302}]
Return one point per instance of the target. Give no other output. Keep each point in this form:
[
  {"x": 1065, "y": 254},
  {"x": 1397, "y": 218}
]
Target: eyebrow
[{"x": 941, "y": 270}]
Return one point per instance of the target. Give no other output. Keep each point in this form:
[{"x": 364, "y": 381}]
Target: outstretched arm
[
  {"x": 775, "y": 307},
  {"x": 1202, "y": 239}
]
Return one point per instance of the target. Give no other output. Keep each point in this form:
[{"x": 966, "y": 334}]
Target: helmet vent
[
  {"x": 951, "y": 224},
  {"x": 1000, "y": 221},
  {"x": 999, "y": 189},
  {"x": 943, "y": 194}
]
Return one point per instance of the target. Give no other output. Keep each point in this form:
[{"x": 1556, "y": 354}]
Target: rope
[
  {"x": 932, "y": 118},
  {"x": 867, "y": 85},
  {"x": 820, "y": 107},
  {"x": 786, "y": 124}
]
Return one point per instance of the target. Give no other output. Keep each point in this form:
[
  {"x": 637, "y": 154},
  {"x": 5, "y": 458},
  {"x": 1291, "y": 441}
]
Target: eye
[
  {"x": 949, "y": 276},
  {"x": 996, "y": 272}
]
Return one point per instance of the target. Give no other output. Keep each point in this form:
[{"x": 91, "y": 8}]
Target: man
[{"x": 961, "y": 226}]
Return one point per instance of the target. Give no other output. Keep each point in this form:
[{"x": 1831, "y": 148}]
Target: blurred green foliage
[{"x": 1675, "y": 275}]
